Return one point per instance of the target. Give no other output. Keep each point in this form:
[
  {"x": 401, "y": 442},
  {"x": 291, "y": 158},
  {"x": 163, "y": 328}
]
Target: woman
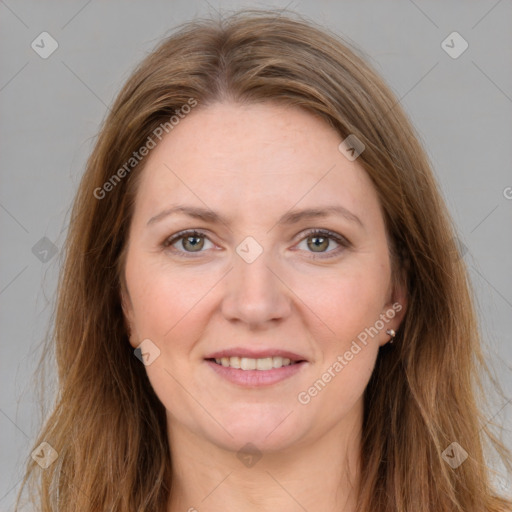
[{"x": 261, "y": 304}]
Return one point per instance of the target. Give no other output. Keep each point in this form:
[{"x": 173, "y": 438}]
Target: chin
[{"x": 266, "y": 429}]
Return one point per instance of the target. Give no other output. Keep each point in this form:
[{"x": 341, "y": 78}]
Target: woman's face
[{"x": 255, "y": 182}]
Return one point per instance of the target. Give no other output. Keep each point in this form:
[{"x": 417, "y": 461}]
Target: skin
[{"x": 252, "y": 164}]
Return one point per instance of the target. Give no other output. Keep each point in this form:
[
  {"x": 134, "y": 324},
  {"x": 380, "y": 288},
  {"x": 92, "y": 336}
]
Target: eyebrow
[{"x": 291, "y": 217}]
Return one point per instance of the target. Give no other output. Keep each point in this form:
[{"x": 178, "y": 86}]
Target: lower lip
[{"x": 256, "y": 378}]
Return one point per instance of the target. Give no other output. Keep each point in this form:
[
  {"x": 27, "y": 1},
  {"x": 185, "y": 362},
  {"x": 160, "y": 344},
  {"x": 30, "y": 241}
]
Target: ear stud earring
[{"x": 392, "y": 333}]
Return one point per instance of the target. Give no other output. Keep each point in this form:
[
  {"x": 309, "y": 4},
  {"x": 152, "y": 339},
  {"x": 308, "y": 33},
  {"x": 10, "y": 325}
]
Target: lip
[
  {"x": 256, "y": 378},
  {"x": 255, "y": 354}
]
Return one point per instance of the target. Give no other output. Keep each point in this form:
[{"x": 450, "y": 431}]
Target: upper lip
[{"x": 255, "y": 354}]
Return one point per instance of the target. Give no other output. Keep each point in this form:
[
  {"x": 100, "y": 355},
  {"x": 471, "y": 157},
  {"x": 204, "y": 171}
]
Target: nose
[{"x": 256, "y": 293}]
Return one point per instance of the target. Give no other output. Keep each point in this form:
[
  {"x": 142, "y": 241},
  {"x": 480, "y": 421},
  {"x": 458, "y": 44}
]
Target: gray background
[{"x": 51, "y": 110}]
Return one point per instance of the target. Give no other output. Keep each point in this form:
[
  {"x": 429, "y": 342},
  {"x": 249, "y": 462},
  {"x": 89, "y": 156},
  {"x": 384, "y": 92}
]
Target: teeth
[
  {"x": 247, "y": 363},
  {"x": 264, "y": 364}
]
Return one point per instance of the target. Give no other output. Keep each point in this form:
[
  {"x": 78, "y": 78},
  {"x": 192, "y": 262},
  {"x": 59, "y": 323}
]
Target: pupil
[
  {"x": 315, "y": 245},
  {"x": 312, "y": 245},
  {"x": 194, "y": 245}
]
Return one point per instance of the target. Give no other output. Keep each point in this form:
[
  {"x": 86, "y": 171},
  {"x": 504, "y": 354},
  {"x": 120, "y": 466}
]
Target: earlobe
[
  {"x": 392, "y": 334},
  {"x": 399, "y": 291},
  {"x": 394, "y": 311},
  {"x": 127, "y": 308},
  {"x": 398, "y": 307}
]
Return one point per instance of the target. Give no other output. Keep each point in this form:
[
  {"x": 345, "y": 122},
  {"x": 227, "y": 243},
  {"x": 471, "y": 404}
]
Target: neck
[{"x": 319, "y": 475}]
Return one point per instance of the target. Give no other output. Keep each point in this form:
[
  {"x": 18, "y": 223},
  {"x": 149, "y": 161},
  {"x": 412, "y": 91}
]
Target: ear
[
  {"x": 399, "y": 303},
  {"x": 395, "y": 308},
  {"x": 400, "y": 269},
  {"x": 127, "y": 307}
]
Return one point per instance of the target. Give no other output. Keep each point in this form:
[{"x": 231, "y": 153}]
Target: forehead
[{"x": 251, "y": 160}]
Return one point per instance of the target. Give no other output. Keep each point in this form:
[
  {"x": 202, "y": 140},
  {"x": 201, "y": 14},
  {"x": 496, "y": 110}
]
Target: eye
[
  {"x": 190, "y": 242},
  {"x": 318, "y": 241}
]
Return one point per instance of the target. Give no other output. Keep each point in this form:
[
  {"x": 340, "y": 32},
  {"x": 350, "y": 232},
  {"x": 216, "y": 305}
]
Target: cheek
[
  {"x": 334, "y": 394},
  {"x": 167, "y": 303},
  {"x": 164, "y": 298},
  {"x": 348, "y": 307},
  {"x": 345, "y": 301}
]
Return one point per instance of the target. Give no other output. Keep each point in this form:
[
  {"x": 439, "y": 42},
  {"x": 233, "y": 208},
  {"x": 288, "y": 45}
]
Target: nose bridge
[{"x": 254, "y": 294}]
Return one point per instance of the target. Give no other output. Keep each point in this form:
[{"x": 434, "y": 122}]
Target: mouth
[
  {"x": 249, "y": 368},
  {"x": 249, "y": 363}
]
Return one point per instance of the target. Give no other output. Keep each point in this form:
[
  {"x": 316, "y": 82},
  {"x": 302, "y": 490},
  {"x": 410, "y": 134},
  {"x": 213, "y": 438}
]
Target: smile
[
  {"x": 254, "y": 373},
  {"x": 248, "y": 363}
]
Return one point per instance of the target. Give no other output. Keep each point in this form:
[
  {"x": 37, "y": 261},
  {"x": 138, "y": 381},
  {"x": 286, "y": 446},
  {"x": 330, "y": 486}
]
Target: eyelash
[{"x": 325, "y": 233}]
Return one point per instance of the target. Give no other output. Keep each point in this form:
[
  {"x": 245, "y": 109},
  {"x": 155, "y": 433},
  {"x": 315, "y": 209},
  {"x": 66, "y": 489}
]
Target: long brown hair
[{"x": 108, "y": 426}]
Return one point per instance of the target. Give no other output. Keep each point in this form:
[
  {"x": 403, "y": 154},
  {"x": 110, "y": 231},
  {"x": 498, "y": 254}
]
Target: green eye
[
  {"x": 318, "y": 241},
  {"x": 321, "y": 246},
  {"x": 191, "y": 241}
]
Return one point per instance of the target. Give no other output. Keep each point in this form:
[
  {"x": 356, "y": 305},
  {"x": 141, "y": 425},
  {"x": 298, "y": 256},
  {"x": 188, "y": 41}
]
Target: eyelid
[
  {"x": 176, "y": 237},
  {"x": 342, "y": 241},
  {"x": 327, "y": 233}
]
